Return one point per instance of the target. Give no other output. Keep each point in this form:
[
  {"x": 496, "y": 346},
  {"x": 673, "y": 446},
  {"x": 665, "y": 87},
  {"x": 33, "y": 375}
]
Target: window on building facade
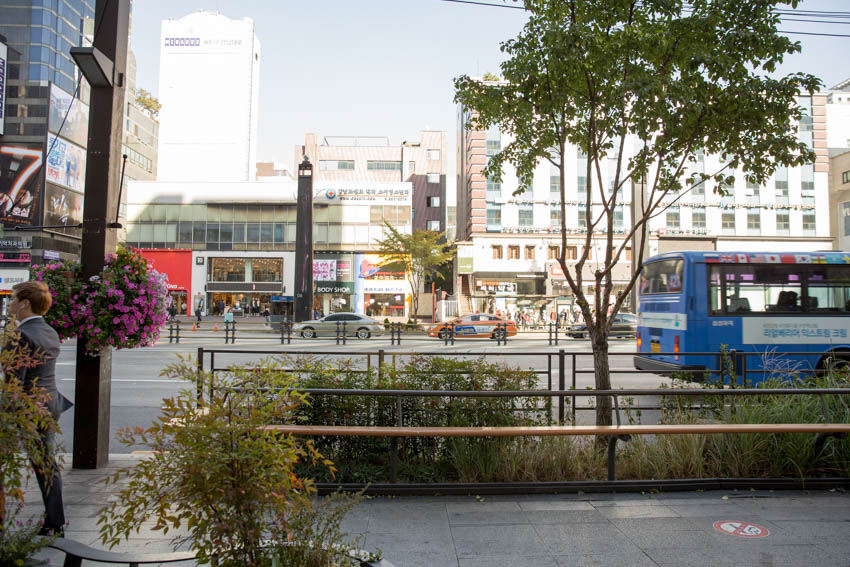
[
  {"x": 382, "y": 165},
  {"x": 266, "y": 269},
  {"x": 513, "y": 252},
  {"x": 555, "y": 214},
  {"x": 497, "y": 251},
  {"x": 582, "y": 215},
  {"x": 581, "y": 186},
  {"x": 618, "y": 217},
  {"x": 572, "y": 252},
  {"x": 753, "y": 196},
  {"x": 494, "y": 189},
  {"x": 783, "y": 222},
  {"x": 628, "y": 253},
  {"x": 336, "y": 165},
  {"x": 728, "y": 222},
  {"x": 526, "y": 214},
  {"x": 754, "y": 222},
  {"x": 807, "y": 183},
  {"x": 226, "y": 269},
  {"x": 673, "y": 218},
  {"x": 433, "y": 155},
  {"x": 433, "y": 201},
  {"x": 553, "y": 252},
  {"x": 433, "y": 178},
  {"x": 806, "y": 130},
  {"x": 845, "y": 176},
  {"x": 494, "y": 217},
  {"x": 781, "y": 183},
  {"x": 698, "y": 219},
  {"x": 845, "y": 214},
  {"x": 433, "y": 225},
  {"x": 529, "y": 252},
  {"x": 809, "y": 226}
]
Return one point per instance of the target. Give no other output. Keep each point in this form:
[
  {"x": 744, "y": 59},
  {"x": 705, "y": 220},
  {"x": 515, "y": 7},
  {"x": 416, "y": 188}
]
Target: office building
[{"x": 209, "y": 89}]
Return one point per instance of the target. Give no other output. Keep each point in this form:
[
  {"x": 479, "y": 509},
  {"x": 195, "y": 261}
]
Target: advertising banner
[
  {"x": 12, "y": 276},
  {"x": 324, "y": 270},
  {"x": 76, "y": 125},
  {"x": 366, "y": 194},
  {"x": 62, "y": 206},
  {"x": 66, "y": 164},
  {"x": 334, "y": 287},
  {"x": 3, "y": 59},
  {"x": 20, "y": 182}
]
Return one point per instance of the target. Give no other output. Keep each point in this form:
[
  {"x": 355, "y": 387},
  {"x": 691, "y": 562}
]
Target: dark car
[{"x": 625, "y": 325}]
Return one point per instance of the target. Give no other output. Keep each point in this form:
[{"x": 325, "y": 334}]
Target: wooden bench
[
  {"x": 535, "y": 431},
  {"x": 75, "y": 552}
]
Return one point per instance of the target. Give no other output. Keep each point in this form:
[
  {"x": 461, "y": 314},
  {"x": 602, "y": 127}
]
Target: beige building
[
  {"x": 346, "y": 160},
  {"x": 839, "y": 197}
]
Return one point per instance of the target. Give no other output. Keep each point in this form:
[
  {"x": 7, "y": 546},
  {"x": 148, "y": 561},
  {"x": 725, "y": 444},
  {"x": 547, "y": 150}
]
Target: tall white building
[{"x": 209, "y": 90}]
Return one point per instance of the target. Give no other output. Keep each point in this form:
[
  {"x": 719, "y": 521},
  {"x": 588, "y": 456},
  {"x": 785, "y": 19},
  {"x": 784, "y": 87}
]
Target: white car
[{"x": 355, "y": 325}]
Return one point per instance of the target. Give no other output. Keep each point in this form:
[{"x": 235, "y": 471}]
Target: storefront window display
[
  {"x": 247, "y": 304},
  {"x": 267, "y": 269},
  {"x": 384, "y": 305},
  {"x": 227, "y": 269}
]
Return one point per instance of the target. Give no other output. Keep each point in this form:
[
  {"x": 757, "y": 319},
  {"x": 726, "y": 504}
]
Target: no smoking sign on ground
[{"x": 741, "y": 529}]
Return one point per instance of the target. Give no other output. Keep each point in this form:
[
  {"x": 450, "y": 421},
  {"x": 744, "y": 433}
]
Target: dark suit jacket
[{"x": 39, "y": 338}]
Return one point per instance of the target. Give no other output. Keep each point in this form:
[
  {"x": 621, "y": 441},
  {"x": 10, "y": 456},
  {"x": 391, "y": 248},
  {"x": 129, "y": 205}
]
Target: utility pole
[
  {"x": 304, "y": 244},
  {"x": 104, "y": 67}
]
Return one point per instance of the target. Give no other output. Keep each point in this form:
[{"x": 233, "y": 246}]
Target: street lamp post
[
  {"x": 304, "y": 243},
  {"x": 103, "y": 66}
]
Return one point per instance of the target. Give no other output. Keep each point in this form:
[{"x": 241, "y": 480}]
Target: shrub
[{"x": 229, "y": 481}]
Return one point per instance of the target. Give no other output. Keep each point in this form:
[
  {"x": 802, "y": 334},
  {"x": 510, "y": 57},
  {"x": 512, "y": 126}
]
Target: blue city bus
[{"x": 763, "y": 303}]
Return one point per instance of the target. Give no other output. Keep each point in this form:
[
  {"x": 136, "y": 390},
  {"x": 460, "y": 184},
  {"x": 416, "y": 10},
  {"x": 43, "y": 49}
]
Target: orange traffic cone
[
  {"x": 215, "y": 327},
  {"x": 193, "y": 326}
]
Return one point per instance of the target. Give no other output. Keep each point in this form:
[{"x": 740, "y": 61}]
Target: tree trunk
[{"x": 602, "y": 374}]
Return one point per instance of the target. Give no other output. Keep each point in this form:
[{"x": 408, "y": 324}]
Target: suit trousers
[{"x": 51, "y": 488}]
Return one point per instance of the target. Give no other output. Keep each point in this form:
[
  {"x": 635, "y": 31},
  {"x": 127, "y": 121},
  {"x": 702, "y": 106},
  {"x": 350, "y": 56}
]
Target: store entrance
[{"x": 241, "y": 304}]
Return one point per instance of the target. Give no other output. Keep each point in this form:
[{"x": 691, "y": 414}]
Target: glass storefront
[{"x": 384, "y": 304}]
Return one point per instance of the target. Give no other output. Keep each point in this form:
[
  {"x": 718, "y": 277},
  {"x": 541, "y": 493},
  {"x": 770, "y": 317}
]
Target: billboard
[
  {"x": 3, "y": 58},
  {"x": 62, "y": 206},
  {"x": 66, "y": 164},
  {"x": 76, "y": 127},
  {"x": 20, "y": 182}
]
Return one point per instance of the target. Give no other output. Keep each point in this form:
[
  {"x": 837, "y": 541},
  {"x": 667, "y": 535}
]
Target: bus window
[
  {"x": 662, "y": 277},
  {"x": 756, "y": 289},
  {"x": 829, "y": 289}
]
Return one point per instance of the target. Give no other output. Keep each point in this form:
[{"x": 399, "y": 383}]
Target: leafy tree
[
  {"x": 420, "y": 254},
  {"x": 489, "y": 77},
  {"x": 149, "y": 102},
  {"x": 679, "y": 77}
]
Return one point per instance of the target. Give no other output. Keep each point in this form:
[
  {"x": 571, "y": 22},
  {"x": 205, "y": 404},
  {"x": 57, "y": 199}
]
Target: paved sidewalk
[{"x": 634, "y": 530}]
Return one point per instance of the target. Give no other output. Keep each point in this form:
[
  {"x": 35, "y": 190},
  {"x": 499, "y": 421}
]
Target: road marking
[{"x": 741, "y": 529}]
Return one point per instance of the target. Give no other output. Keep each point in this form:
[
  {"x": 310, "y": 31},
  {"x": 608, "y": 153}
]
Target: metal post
[
  {"x": 733, "y": 379},
  {"x": 200, "y": 384},
  {"x": 344, "y": 332},
  {"x": 612, "y": 455},
  {"x": 171, "y": 332},
  {"x": 562, "y": 378},
  {"x": 394, "y": 443},
  {"x": 177, "y": 338},
  {"x": 550, "y": 334},
  {"x": 304, "y": 243},
  {"x": 380, "y": 363},
  {"x": 337, "y": 332},
  {"x": 233, "y": 333},
  {"x": 226, "y": 332},
  {"x": 93, "y": 386},
  {"x": 282, "y": 336},
  {"x": 556, "y": 334},
  {"x": 575, "y": 374},
  {"x": 744, "y": 370}
]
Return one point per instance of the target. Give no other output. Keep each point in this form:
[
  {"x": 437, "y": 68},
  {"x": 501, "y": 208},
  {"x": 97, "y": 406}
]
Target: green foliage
[
  {"x": 420, "y": 459},
  {"x": 23, "y": 418},
  {"x": 489, "y": 77},
  {"x": 681, "y": 78},
  {"x": 216, "y": 471},
  {"x": 420, "y": 254},
  {"x": 148, "y": 102}
]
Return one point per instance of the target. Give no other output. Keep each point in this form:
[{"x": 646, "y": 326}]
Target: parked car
[
  {"x": 625, "y": 325},
  {"x": 356, "y": 325},
  {"x": 478, "y": 325}
]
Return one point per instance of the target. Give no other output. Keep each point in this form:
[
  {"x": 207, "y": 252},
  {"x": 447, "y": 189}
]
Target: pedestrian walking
[
  {"x": 30, "y": 301},
  {"x": 198, "y": 315},
  {"x": 268, "y": 317}
]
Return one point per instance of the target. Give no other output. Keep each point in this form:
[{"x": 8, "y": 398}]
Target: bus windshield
[{"x": 662, "y": 277}]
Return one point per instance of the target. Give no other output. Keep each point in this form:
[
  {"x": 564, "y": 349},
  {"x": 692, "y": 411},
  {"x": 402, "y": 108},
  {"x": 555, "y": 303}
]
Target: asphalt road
[{"x": 138, "y": 388}]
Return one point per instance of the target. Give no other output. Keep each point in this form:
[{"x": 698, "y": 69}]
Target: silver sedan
[{"x": 355, "y": 325}]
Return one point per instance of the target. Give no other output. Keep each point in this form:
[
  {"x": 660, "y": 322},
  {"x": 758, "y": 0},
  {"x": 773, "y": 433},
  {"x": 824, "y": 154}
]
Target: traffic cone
[
  {"x": 193, "y": 326},
  {"x": 215, "y": 327}
]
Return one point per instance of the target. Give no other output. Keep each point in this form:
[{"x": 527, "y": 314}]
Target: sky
[{"x": 385, "y": 67}]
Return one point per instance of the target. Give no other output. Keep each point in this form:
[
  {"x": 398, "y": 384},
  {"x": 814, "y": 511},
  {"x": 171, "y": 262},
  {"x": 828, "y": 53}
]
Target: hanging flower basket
[{"x": 124, "y": 306}]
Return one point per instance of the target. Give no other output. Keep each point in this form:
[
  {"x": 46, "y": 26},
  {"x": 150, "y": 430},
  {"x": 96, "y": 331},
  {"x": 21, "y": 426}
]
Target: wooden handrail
[{"x": 535, "y": 431}]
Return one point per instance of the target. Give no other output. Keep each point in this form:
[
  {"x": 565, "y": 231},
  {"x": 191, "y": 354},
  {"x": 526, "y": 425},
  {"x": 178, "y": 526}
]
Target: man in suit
[{"x": 30, "y": 301}]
